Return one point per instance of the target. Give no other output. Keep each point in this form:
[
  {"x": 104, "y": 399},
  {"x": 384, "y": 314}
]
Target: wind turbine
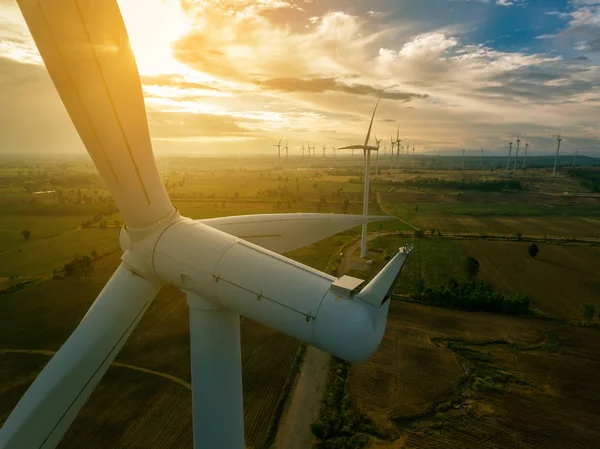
[
  {"x": 525, "y": 158},
  {"x": 85, "y": 48},
  {"x": 517, "y": 153},
  {"x": 303, "y": 148},
  {"x": 559, "y": 140},
  {"x": 323, "y": 151},
  {"x": 509, "y": 153},
  {"x": 286, "y": 149},
  {"x": 367, "y": 157},
  {"x": 377, "y": 143},
  {"x": 398, "y": 146},
  {"x": 278, "y": 145}
]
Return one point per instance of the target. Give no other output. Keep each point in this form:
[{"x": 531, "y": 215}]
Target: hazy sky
[{"x": 236, "y": 75}]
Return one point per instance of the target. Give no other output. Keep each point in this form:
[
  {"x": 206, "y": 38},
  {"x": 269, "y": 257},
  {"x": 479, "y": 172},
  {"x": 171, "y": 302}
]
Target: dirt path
[
  {"x": 118, "y": 364},
  {"x": 304, "y": 404}
]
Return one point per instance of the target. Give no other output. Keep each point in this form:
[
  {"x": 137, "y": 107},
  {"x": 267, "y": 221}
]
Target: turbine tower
[
  {"x": 558, "y": 139},
  {"x": 377, "y": 143},
  {"x": 286, "y": 149},
  {"x": 398, "y": 146},
  {"x": 323, "y": 151},
  {"x": 279, "y": 149},
  {"x": 367, "y": 157},
  {"x": 517, "y": 153},
  {"x": 509, "y": 154},
  {"x": 303, "y": 148},
  {"x": 525, "y": 157},
  {"x": 222, "y": 275}
]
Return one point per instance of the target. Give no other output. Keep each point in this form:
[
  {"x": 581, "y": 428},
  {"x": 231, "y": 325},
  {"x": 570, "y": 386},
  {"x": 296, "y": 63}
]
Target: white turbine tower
[
  {"x": 85, "y": 48},
  {"x": 509, "y": 154},
  {"x": 279, "y": 149},
  {"x": 398, "y": 147},
  {"x": 559, "y": 140},
  {"x": 303, "y": 148},
  {"x": 525, "y": 157},
  {"x": 367, "y": 157},
  {"x": 377, "y": 143},
  {"x": 286, "y": 149},
  {"x": 575, "y": 153},
  {"x": 517, "y": 153}
]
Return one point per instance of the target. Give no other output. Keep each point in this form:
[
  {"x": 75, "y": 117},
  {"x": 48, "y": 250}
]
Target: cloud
[{"x": 319, "y": 85}]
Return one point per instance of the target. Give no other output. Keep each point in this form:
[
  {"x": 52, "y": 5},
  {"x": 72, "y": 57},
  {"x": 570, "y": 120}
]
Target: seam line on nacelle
[{"x": 218, "y": 279}]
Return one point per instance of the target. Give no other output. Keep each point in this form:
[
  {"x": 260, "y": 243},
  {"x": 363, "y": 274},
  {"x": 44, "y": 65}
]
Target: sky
[{"x": 235, "y": 76}]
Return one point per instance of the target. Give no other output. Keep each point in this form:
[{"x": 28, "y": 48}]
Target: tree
[
  {"x": 78, "y": 267},
  {"x": 471, "y": 267},
  {"x": 533, "y": 250},
  {"x": 346, "y": 206},
  {"x": 589, "y": 310},
  {"x": 26, "y": 233}
]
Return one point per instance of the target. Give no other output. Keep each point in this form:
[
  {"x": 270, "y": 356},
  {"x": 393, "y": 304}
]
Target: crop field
[
  {"x": 578, "y": 227},
  {"x": 558, "y": 280},
  {"x": 450, "y": 379}
]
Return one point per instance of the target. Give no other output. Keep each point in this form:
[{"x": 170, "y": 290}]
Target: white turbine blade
[
  {"x": 371, "y": 124},
  {"x": 86, "y": 50},
  {"x": 52, "y": 402},
  {"x": 352, "y": 147},
  {"x": 371, "y": 148},
  {"x": 285, "y": 232},
  {"x": 378, "y": 289}
]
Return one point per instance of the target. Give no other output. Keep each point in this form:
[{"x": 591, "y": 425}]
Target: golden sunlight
[{"x": 153, "y": 25}]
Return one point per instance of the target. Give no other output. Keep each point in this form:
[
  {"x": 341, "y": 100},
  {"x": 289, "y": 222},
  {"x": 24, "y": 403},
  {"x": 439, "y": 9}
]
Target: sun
[{"x": 153, "y": 25}]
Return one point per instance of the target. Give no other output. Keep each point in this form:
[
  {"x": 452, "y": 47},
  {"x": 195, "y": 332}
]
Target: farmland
[
  {"x": 421, "y": 387},
  {"x": 444, "y": 378}
]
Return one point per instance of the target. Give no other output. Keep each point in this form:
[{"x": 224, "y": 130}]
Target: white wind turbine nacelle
[{"x": 217, "y": 262}]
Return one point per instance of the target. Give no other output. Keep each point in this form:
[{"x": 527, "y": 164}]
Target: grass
[
  {"x": 433, "y": 260},
  {"x": 40, "y": 257}
]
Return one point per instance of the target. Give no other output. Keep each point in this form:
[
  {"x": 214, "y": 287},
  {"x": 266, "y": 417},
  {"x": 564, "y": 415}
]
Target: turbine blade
[
  {"x": 352, "y": 147},
  {"x": 371, "y": 124},
  {"x": 86, "y": 50},
  {"x": 52, "y": 402},
  {"x": 376, "y": 291},
  {"x": 285, "y": 232}
]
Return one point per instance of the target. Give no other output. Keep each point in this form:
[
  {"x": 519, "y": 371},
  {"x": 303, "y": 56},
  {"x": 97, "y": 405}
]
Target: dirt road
[{"x": 304, "y": 404}]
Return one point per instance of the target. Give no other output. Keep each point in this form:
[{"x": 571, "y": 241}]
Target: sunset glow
[{"x": 248, "y": 71}]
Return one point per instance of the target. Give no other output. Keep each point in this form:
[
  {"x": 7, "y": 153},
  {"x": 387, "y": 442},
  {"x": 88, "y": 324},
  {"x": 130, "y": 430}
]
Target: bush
[
  {"x": 79, "y": 267},
  {"x": 471, "y": 267},
  {"x": 533, "y": 250},
  {"x": 419, "y": 234},
  {"x": 589, "y": 310},
  {"x": 26, "y": 233},
  {"x": 475, "y": 297}
]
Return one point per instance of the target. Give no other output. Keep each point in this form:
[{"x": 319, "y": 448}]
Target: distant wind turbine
[
  {"x": 303, "y": 148},
  {"x": 279, "y": 148},
  {"x": 509, "y": 154},
  {"x": 367, "y": 157},
  {"x": 559, "y": 140},
  {"x": 286, "y": 149},
  {"x": 517, "y": 153},
  {"x": 377, "y": 143},
  {"x": 323, "y": 151},
  {"x": 398, "y": 146},
  {"x": 525, "y": 158}
]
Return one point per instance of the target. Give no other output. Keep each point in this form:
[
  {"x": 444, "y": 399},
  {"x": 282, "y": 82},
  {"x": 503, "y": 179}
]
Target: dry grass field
[
  {"x": 558, "y": 280},
  {"x": 451, "y": 379}
]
